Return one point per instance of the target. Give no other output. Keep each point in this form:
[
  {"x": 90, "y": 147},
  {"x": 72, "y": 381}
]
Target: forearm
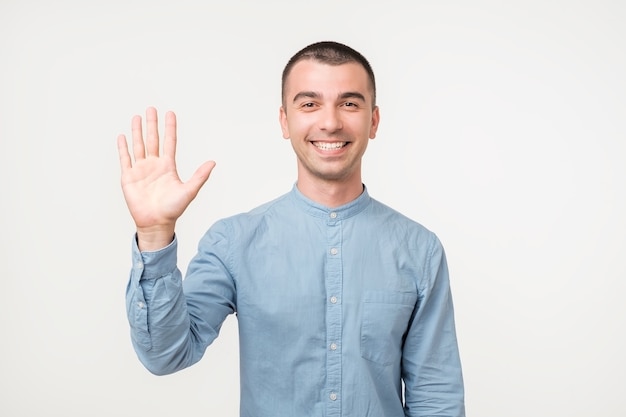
[
  {"x": 434, "y": 382},
  {"x": 157, "y": 312}
]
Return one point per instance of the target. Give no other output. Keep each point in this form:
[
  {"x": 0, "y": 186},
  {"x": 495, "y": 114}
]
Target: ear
[
  {"x": 284, "y": 126},
  {"x": 375, "y": 121}
]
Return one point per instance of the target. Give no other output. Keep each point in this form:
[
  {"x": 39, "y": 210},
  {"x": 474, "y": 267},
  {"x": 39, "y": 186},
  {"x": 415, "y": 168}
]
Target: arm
[
  {"x": 156, "y": 198},
  {"x": 173, "y": 321},
  {"x": 431, "y": 366}
]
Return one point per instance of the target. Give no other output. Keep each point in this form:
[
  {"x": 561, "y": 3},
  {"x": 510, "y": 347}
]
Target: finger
[
  {"x": 139, "y": 150},
  {"x": 199, "y": 177},
  {"x": 169, "y": 143},
  {"x": 152, "y": 132},
  {"x": 122, "y": 149}
]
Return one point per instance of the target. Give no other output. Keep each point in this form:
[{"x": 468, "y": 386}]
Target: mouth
[{"x": 329, "y": 146}]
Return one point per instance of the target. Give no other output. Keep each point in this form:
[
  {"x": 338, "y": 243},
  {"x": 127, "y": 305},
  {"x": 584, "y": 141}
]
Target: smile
[{"x": 329, "y": 146}]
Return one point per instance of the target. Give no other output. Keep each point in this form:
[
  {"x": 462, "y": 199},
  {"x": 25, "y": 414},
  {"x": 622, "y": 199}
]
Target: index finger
[{"x": 169, "y": 143}]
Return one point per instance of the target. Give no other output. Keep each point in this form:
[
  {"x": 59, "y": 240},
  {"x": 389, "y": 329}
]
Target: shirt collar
[{"x": 342, "y": 212}]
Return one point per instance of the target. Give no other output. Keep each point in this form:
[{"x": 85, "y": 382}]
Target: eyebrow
[
  {"x": 306, "y": 94},
  {"x": 342, "y": 96},
  {"x": 352, "y": 94}
]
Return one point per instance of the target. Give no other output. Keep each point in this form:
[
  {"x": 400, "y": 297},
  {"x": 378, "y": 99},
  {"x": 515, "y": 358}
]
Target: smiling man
[
  {"x": 343, "y": 304},
  {"x": 329, "y": 114}
]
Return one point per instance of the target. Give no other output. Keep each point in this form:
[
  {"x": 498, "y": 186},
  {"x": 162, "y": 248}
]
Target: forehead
[{"x": 315, "y": 76}]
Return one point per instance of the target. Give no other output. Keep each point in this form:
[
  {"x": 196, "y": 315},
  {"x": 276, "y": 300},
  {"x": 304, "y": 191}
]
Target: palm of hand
[{"x": 154, "y": 193}]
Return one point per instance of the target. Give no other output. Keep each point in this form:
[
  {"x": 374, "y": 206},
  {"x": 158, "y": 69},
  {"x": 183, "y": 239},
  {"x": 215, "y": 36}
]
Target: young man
[{"x": 341, "y": 301}]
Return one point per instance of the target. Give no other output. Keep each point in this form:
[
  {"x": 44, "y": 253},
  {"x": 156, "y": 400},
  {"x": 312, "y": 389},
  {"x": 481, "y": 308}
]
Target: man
[{"x": 341, "y": 301}]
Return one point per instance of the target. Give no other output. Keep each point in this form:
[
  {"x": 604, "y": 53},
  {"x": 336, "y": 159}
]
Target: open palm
[{"x": 155, "y": 195}]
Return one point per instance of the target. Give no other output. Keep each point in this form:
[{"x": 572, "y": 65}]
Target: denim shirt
[{"x": 341, "y": 312}]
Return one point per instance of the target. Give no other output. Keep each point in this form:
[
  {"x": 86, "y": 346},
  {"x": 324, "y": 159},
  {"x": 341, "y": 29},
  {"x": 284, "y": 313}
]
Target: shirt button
[
  {"x": 333, "y": 215},
  {"x": 140, "y": 304},
  {"x": 333, "y": 396},
  {"x": 333, "y": 346},
  {"x": 139, "y": 265},
  {"x": 333, "y": 300},
  {"x": 334, "y": 251}
]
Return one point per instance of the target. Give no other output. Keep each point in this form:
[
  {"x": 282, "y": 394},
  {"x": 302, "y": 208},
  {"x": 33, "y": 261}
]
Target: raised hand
[{"x": 154, "y": 193}]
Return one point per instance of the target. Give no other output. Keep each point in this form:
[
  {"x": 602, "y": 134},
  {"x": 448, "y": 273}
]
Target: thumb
[{"x": 200, "y": 177}]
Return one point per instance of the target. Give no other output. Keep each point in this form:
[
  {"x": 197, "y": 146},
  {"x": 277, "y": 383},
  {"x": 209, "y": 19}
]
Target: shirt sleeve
[
  {"x": 431, "y": 366},
  {"x": 167, "y": 332}
]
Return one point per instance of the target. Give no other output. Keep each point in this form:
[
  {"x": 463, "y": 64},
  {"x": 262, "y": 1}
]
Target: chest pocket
[{"x": 385, "y": 319}]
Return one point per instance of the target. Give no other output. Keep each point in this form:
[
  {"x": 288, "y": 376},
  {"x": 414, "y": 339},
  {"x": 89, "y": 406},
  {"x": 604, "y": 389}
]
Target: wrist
[{"x": 154, "y": 237}]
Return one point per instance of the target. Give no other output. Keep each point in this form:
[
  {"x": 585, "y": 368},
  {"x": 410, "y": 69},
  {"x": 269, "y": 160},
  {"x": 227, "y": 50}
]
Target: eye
[
  {"x": 351, "y": 104},
  {"x": 308, "y": 106}
]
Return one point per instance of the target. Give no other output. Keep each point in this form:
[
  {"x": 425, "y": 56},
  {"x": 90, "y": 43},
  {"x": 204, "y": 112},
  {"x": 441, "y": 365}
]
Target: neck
[{"x": 330, "y": 193}]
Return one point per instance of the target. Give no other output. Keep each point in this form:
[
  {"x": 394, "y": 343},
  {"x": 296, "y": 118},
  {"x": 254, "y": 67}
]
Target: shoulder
[
  {"x": 413, "y": 234},
  {"x": 249, "y": 220},
  {"x": 394, "y": 216}
]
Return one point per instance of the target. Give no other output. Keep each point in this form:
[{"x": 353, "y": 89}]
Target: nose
[{"x": 330, "y": 119}]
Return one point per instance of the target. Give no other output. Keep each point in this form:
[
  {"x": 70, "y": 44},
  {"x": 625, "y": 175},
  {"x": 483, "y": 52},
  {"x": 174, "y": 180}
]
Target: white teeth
[{"x": 329, "y": 146}]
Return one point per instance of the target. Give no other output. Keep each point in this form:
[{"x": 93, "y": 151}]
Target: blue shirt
[{"x": 341, "y": 312}]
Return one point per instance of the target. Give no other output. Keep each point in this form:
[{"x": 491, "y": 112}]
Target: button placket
[{"x": 334, "y": 286}]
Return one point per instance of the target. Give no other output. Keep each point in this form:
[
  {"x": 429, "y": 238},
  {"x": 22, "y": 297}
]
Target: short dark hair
[{"x": 331, "y": 53}]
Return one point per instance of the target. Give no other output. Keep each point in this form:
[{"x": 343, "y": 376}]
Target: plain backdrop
[{"x": 503, "y": 130}]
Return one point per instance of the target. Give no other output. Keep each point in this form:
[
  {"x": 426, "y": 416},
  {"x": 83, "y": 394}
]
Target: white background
[{"x": 503, "y": 130}]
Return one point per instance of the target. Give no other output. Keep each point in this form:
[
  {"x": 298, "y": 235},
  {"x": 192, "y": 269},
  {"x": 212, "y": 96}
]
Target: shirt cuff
[{"x": 156, "y": 263}]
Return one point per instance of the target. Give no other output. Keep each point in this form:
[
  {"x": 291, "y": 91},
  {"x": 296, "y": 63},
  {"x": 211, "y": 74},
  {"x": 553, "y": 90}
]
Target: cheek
[{"x": 297, "y": 127}]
